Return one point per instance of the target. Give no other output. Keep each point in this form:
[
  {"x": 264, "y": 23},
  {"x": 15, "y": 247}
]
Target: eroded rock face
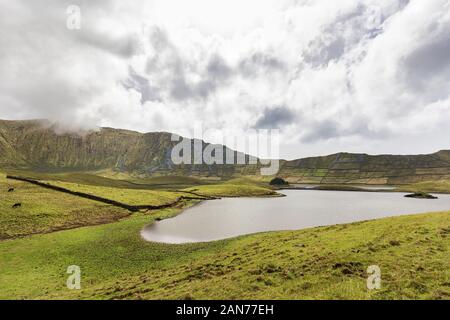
[
  {"x": 36, "y": 146},
  {"x": 344, "y": 168}
]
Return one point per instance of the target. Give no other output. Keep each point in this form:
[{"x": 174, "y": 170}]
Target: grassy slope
[
  {"x": 128, "y": 196},
  {"x": 234, "y": 188},
  {"x": 116, "y": 180},
  {"x": 45, "y": 210},
  {"x": 442, "y": 186},
  {"x": 327, "y": 262}
]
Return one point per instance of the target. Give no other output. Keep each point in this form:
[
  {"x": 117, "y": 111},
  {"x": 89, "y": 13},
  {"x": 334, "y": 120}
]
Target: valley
[
  {"x": 318, "y": 263},
  {"x": 62, "y": 222}
]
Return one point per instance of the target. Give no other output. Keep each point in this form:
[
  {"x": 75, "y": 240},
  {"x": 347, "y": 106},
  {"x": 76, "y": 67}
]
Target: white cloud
[{"x": 365, "y": 76}]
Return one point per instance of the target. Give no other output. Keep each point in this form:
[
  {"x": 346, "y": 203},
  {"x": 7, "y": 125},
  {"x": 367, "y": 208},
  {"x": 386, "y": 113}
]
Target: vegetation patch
[
  {"x": 420, "y": 195},
  {"x": 127, "y": 196},
  {"x": 234, "y": 188},
  {"x": 278, "y": 182},
  {"x": 438, "y": 186}
]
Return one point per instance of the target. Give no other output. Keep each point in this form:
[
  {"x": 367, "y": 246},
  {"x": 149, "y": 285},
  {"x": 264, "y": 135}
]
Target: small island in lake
[
  {"x": 278, "y": 182},
  {"x": 420, "y": 195}
]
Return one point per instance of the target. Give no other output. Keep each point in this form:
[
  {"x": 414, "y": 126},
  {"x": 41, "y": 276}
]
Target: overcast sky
[{"x": 350, "y": 75}]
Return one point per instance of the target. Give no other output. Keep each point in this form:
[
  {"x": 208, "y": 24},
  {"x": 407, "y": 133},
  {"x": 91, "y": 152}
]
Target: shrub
[{"x": 278, "y": 182}]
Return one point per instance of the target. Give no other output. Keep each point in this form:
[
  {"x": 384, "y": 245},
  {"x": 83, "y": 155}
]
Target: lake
[
  {"x": 300, "y": 209},
  {"x": 360, "y": 186}
]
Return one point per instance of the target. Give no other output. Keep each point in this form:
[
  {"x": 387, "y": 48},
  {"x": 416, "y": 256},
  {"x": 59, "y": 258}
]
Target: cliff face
[
  {"x": 363, "y": 168},
  {"x": 35, "y": 145},
  {"x": 32, "y": 144}
]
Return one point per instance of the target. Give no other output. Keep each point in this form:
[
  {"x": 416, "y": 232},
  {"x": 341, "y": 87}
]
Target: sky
[{"x": 369, "y": 76}]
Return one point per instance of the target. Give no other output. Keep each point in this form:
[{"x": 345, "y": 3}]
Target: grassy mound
[{"x": 233, "y": 188}]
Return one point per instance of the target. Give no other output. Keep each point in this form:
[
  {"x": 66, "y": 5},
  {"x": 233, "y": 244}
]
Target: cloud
[
  {"x": 330, "y": 129},
  {"x": 123, "y": 45},
  {"x": 260, "y": 62},
  {"x": 365, "y": 75},
  {"x": 430, "y": 61},
  {"x": 218, "y": 69},
  {"x": 274, "y": 118},
  {"x": 142, "y": 86}
]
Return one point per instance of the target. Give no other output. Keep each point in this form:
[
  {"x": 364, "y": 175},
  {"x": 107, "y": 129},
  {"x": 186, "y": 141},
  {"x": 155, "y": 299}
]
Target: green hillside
[{"x": 319, "y": 263}]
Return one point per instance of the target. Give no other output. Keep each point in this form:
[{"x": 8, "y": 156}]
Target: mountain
[
  {"x": 36, "y": 145},
  {"x": 368, "y": 169}
]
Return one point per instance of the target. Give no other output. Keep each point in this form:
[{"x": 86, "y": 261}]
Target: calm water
[
  {"x": 361, "y": 186},
  {"x": 230, "y": 217}
]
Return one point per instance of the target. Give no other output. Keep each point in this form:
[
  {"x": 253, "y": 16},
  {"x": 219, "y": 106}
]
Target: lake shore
[
  {"x": 299, "y": 209},
  {"x": 320, "y": 263}
]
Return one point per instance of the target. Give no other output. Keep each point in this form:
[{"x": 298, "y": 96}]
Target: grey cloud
[
  {"x": 43, "y": 64},
  {"x": 430, "y": 61},
  {"x": 216, "y": 73},
  {"x": 321, "y": 131},
  {"x": 330, "y": 129},
  {"x": 260, "y": 62},
  {"x": 345, "y": 31},
  {"x": 141, "y": 85},
  {"x": 159, "y": 39},
  {"x": 124, "y": 46},
  {"x": 168, "y": 58},
  {"x": 322, "y": 53},
  {"x": 166, "y": 54},
  {"x": 332, "y": 42},
  {"x": 218, "y": 69},
  {"x": 275, "y": 118},
  {"x": 180, "y": 90}
]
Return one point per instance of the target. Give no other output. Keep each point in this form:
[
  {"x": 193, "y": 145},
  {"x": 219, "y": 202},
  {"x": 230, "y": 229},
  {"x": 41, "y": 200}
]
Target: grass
[
  {"x": 115, "y": 179},
  {"x": 128, "y": 196},
  {"x": 116, "y": 263},
  {"x": 234, "y": 188},
  {"x": 319, "y": 263},
  {"x": 44, "y": 210},
  {"x": 439, "y": 186},
  {"x": 75, "y": 177}
]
